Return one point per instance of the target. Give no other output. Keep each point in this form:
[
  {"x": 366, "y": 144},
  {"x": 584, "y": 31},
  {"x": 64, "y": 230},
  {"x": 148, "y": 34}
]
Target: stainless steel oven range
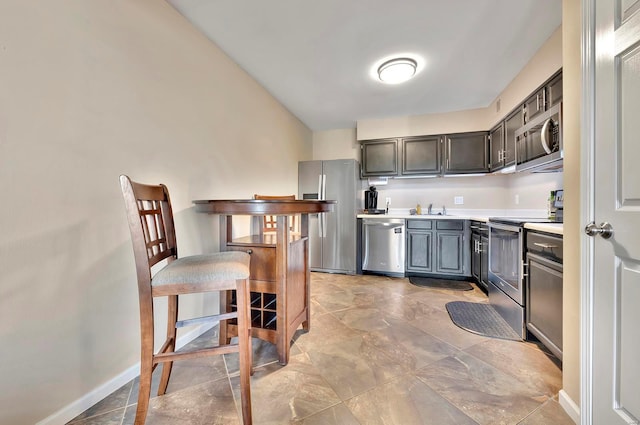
[{"x": 507, "y": 269}]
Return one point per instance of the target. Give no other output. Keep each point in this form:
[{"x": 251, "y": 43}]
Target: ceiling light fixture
[{"x": 398, "y": 70}]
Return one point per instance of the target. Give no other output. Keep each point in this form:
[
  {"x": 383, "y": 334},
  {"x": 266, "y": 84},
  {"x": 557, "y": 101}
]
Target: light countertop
[
  {"x": 425, "y": 217},
  {"x": 555, "y": 228},
  {"x": 476, "y": 215}
]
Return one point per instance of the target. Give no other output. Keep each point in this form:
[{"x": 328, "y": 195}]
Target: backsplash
[{"x": 522, "y": 191}]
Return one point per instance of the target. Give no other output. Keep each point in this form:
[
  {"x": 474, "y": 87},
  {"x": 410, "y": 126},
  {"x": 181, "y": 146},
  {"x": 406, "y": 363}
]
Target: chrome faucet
[{"x": 429, "y": 209}]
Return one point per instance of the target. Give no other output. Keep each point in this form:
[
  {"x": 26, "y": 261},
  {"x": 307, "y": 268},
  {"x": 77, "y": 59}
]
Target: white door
[{"x": 616, "y": 262}]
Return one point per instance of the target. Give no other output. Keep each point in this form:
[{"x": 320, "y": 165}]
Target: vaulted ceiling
[{"x": 316, "y": 57}]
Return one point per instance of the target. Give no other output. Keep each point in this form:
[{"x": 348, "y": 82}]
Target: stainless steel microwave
[{"x": 539, "y": 142}]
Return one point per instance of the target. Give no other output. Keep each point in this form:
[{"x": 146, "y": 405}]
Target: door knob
[{"x": 605, "y": 230}]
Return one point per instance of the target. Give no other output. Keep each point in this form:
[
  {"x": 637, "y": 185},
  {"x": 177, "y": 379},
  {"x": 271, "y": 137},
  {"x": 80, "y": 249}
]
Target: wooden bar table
[{"x": 280, "y": 276}]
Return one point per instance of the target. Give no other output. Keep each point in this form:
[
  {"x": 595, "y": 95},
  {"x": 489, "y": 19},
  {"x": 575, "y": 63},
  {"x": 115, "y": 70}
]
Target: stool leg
[
  {"x": 244, "y": 347},
  {"x": 146, "y": 364},
  {"x": 172, "y": 318},
  {"x": 223, "y": 333}
]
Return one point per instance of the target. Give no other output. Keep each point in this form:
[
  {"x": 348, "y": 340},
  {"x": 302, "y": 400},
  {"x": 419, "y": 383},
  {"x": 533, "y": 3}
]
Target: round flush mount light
[{"x": 397, "y": 68}]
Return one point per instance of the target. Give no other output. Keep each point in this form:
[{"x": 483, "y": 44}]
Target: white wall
[
  {"x": 90, "y": 90},
  {"x": 531, "y": 189},
  {"x": 485, "y": 192}
]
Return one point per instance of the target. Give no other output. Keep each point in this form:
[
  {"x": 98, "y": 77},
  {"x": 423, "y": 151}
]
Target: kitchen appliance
[
  {"x": 558, "y": 205},
  {"x": 506, "y": 268},
  {"x": 383, "y": 246},
  {"x": 371, "y": 198},
  {"x": 544, "y": 289},
  {"x": 332, "y": 236},
  {"x": 371, "y": 201},
  {"x": 539, "y": 142}
]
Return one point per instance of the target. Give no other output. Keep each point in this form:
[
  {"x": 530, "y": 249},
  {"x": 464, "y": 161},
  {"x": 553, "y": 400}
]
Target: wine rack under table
[
  {"x": 263, "y": 309},
  {"x": 272, "y": 320}
]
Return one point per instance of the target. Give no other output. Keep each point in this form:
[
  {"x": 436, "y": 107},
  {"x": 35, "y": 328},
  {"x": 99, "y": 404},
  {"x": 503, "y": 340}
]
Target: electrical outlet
[
  {"x": 458, "y": 200},
  {"x": 517, "y": 199}
]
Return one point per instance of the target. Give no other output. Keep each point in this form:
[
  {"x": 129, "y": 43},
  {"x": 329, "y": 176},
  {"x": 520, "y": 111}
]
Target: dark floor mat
[
  {"x": 428, "y": 282},
  {"x": 481, "y": 319}
]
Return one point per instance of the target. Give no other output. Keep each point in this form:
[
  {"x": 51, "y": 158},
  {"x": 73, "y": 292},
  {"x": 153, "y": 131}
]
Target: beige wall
[
  {"x": 419, "y": 125},
  {"x": 547, "y": 60},
  {"x": 90, "y": 90},
  {"x": 336, "y": 144},
  {"x": 572, "y": 99}
]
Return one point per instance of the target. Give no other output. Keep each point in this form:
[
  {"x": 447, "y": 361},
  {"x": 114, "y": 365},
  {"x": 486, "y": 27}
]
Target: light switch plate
[{"x": 458, "y": 200}]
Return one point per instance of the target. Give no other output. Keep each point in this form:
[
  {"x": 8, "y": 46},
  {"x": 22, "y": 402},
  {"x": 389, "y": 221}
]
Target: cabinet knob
[{"x": 249, "y": 251}]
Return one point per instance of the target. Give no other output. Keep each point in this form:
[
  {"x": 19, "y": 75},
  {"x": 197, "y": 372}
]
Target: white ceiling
[{"x": 315, "y": 56}]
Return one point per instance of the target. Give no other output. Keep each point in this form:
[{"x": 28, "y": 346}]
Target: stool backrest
[
  {"x": 269, "y": 221},
  {"x": 151, "y": 225}
]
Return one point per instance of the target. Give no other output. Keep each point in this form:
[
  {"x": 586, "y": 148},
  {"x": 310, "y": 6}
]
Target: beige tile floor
[{"x": 380, "y": 351}]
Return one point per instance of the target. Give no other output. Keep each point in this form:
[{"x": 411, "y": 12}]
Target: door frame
[{"x": 587, "y": 207}]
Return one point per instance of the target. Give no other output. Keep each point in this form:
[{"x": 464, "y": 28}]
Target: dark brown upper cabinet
[
  {"x": 466, "y": 153},
  {"x": 503, "y": 140},
  {"x": 535, "y": 104},
  {"x": 458, "y": 153},
  {"x": 421, "y": 156},
  {"x": 496, "y": 151},
  {"x": 379, "y": 157},
  {"x": 513, "y": 122},
  {"x": 554, "y": 91}
]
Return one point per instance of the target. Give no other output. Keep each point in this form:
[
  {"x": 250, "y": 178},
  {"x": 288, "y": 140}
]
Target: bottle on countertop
[
  {"x": 418, "y": 209},
  {"x": 551, "y": 210}
]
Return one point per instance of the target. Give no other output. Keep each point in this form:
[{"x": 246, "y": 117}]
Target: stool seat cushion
[{"x": 196, "y": 269}]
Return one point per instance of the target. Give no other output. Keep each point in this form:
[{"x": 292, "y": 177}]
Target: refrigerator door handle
[
  {"x": 324, "y": 187},
  {"x": 319, "y": 187},
  {"x": 324, "y": 198}
]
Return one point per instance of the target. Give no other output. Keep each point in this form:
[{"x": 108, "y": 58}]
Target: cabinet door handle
[
  {"x": 249, "y": 251},
  {"x": 545, "y": 245}
]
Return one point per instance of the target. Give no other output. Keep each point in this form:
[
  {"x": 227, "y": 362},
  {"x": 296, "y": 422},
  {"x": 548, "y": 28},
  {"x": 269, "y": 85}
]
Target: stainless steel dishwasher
[{"x": 383, "y": 246}]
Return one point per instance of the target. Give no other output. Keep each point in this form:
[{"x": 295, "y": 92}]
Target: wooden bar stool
[
  {"x": 269, "y": 222},
  {"x": 154, "y": 240}
]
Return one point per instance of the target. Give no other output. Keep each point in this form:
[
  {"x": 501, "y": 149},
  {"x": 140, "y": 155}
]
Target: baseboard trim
[
  {"x": 569, "y": 406},
  {"x": 73, "y": 409}
]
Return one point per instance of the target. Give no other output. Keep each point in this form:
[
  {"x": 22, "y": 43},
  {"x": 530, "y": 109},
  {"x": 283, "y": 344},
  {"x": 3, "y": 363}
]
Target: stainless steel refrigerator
[{"x": 332, "y": 235}]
